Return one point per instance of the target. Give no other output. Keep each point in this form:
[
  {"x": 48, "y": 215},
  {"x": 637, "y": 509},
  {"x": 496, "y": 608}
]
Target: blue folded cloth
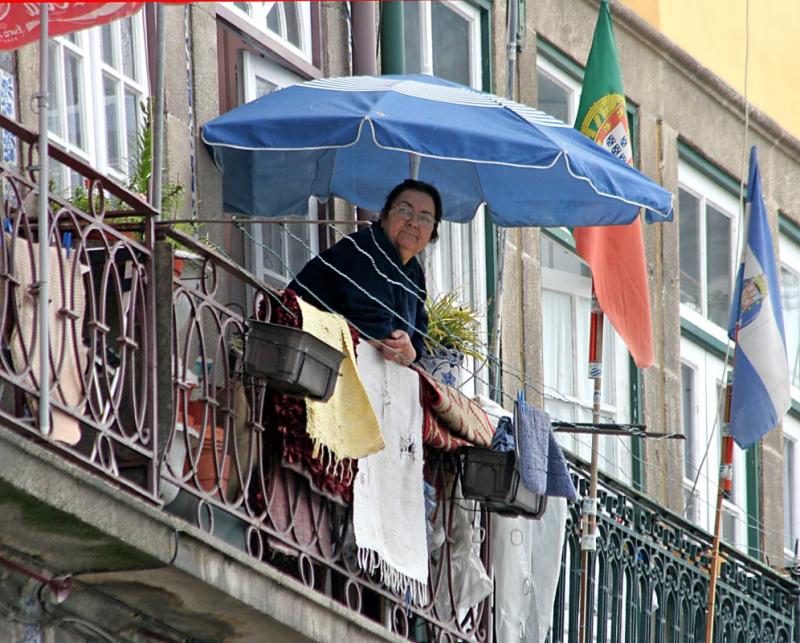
[
  {"x": 542, "y": 465},
  {"x": 503, "y": 439}
]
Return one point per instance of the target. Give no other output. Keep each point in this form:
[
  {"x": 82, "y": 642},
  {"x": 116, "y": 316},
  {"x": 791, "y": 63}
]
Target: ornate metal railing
[
  {"x": 102, "y": 392},
  {"x": 224, "y": 472},
  {"x": 153, "y": 397},
  {"x": 649, "y": 581}
]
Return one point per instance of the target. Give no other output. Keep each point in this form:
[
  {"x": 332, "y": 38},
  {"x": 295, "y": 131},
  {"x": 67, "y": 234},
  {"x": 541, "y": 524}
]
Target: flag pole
[
  {"x": 589, "y": 505},
  {"x": 724, "y": 487}
]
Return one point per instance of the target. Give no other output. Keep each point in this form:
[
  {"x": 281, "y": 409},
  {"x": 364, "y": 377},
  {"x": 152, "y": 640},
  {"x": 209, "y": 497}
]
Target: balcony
[{"x": 161, "y": 492}]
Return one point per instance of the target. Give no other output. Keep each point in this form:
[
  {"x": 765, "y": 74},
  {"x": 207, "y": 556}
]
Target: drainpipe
[
  {"x": 365, "y": 43},
  {"x": 494, "y": 344},
  {"x": 393, "y": 51},
  {"x": 365, "y": 57}
]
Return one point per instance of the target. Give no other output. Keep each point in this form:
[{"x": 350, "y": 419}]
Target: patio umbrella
[{"x": 357, "y": 137}]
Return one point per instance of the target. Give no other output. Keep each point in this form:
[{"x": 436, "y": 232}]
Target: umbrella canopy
[{"x": 354, "y": 137}]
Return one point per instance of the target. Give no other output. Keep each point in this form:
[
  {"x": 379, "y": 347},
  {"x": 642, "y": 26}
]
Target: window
[
  {"x": 558, "y": 91},
  {"x": 566, "y": 305},
  {"x": 97, "y": 83},
  {"x": 791, "y": 487},
  {"x": 289, "y": 22},
  {"x": 444, "y": 38},
  {"x": 278, "y": 251},
  {"x": 701, "y": 373},
  {"x": 708, "y": 214},
  {"x": 789, "y": 251}
]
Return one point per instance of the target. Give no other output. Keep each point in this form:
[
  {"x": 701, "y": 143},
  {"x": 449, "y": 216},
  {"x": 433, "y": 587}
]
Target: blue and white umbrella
[{"x": 357, "y": 137}]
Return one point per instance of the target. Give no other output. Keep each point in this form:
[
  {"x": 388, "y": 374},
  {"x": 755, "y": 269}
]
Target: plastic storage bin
[
  {"x": 492, "y": 478},
  {"x": 291, "y": 360}
]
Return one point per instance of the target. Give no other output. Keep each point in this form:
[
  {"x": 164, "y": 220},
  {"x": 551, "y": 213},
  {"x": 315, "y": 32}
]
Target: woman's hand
[{"x": 398, "y": 348}]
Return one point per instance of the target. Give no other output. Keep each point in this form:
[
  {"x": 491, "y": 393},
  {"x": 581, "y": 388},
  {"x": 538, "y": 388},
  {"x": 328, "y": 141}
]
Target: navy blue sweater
[{"x": 371, "y": 261}]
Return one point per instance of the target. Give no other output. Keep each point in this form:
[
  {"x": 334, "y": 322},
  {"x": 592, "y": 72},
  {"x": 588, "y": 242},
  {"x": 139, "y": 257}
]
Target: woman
[{"x": 373, "y": 278}]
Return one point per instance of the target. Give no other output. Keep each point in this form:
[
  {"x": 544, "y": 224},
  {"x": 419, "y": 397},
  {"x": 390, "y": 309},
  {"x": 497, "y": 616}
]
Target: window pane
[
  {"x": 128, "y": 52},
  {"x": 273, "y": 248},
  {"x": 689, "y": 212},
  {"x": 687, "y": 421},
  {"x": 107, "y": 40},
  {"x": 556, "y": 256},
  {"x": 411, "y": 37},
  {"x": 132, "y": 100},
  {"x": 72, "y": 84},
  {"x": 244, "y": 6},
  {"x": 274, "y": 20},
  {"x": 264, "y": 87},
  {"x": 291, "y": 14},
  {"x": 728, "y": 527},
  {"x": 559, "y": 353},
  {"x": 790, "y": 298},
  {"x": 788, "y": 494},
  {"x": 447, "y": 232},
  {"x": 451, "y": 44},
  {"x": 553, "y": 98},
  {"x": 53, "y": 120},
  {"x": 111, "y": 103},
  {"x": 298, "y": 241},
  {"x": 718, "y": 265}
]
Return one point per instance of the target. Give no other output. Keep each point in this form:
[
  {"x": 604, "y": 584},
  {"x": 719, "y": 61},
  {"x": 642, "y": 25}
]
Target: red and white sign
[{"x": 19, "y": 21}]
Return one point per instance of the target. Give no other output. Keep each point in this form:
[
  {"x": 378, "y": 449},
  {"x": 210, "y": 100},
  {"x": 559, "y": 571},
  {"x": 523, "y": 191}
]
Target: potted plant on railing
[{"x": 453, "y": 334}]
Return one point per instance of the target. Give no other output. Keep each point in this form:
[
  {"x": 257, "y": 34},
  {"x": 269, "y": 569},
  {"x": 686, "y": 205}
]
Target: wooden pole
[
  {"x": 589, "y": 507},
  {"x": 724, "y": 487}
]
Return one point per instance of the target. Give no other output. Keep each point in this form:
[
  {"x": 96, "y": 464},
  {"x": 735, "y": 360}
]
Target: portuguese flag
[{"x": 614, "y": 253}]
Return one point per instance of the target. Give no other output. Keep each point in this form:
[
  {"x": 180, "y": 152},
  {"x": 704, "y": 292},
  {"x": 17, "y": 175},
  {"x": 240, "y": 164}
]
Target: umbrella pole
[
  {"x": 158, "y": 112},
  {"x": 589, "y": 508},
  {"x": 43, "y": 102}
]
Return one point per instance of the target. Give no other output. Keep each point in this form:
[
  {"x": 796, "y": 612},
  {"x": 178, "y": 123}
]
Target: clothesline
[{"x": 630, "y": 430}]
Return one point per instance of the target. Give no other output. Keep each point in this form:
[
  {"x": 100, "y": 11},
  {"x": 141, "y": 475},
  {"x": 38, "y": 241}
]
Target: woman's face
[{"x": 410, "y": 235}]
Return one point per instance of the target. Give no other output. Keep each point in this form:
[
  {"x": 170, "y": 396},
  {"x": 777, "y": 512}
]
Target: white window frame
[
  {"x": 258, "y": 19},
  {"x": 789, "y": 256},
  {"x": 442, "y": 270},
  {"x": 708, "y": 370},
  {"x": 254, "y": 66},
  {"x": 709, "y": 192},
  {"x": 791, "y": 432},
  {"x": 88, "y": 46},
  {"x": 616, "y": 405},
  {"x": 567, "y": 82}
]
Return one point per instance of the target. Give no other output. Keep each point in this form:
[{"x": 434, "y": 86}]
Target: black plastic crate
[
  {"x": 291, "y": 360},
  {"x": 492, "y": 478}
]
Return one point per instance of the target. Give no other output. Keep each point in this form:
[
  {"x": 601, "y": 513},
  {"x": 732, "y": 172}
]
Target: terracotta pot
[
  {"x": 177, "y": 267},
  {"x": 206, "y": 470}
]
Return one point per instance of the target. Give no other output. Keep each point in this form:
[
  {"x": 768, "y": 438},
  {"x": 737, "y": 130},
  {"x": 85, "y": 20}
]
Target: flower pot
[
  {"x": 291, "y": 360},
  {"x": 206, "y": 472},
  {"x": 444, "y": 365}
]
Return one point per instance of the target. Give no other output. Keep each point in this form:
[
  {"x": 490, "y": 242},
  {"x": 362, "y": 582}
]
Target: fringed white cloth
[{"x": 388, "y": 495}]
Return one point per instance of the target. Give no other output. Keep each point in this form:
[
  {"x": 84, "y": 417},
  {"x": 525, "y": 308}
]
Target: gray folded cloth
[{"x": 541, "y": 464}]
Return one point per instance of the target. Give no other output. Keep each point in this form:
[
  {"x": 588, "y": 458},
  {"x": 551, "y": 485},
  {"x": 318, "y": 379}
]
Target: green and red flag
[{"x": 614, "y": 253}]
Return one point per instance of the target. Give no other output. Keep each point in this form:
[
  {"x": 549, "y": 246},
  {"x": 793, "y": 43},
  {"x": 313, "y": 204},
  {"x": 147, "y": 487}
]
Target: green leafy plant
[{"x": 453, "y": 325}]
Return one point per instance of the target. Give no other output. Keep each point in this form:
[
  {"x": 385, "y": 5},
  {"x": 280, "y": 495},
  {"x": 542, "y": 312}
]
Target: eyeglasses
[{"x": 425, "y": 219}]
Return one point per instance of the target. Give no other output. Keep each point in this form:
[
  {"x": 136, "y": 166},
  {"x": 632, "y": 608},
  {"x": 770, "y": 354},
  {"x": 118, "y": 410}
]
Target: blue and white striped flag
[{"x": 761, "y": 393}]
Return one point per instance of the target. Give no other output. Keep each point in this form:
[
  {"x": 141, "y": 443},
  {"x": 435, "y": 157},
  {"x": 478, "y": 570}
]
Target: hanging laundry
[
  {"x": 542, "y": 465},
  {"x": 345, "y": 425},
  {"x": 388, "y": 496},
  {"x": 451, "y": 419}
]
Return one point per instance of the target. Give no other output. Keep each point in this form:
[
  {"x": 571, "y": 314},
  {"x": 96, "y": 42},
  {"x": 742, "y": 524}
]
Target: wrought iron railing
[
  {"x": 102, "y": 392},
  {"x": 147, "y": 381},
  {"x": 649, "y": 581}
]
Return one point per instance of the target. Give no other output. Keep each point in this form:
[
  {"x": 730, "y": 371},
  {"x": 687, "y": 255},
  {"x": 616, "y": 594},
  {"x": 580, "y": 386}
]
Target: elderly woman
[{"x": 373, "y": 278}]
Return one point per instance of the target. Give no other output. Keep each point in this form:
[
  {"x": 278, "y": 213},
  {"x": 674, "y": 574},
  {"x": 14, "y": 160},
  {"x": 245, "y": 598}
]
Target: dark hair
[{"x": 417, "y": 186}]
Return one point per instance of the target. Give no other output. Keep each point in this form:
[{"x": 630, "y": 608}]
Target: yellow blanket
[{"x": 346, "y": 424}]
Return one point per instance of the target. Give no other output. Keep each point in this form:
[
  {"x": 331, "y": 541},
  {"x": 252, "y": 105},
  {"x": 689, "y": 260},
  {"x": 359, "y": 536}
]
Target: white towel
[
  {"x": 388, "y": 495},
  {"x": 65, "y": 315}
]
